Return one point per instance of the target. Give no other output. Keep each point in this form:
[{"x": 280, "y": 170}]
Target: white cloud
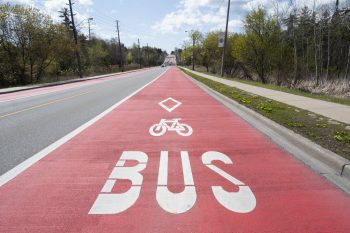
[
  {"x": 81, "y": 8},
  {"x": 211, "y": 14},
  {"x": 53, "y": 6},
  {"x": 270, "y": 4},
  {"x": 190, "y": 13},
  {"x": 234, "y": 25},
  {"x": 310, "y": 3},
  {"x": 194, "y": 4},
  {"x": 86, "y": 2},
  {"x": 26, "y": 2},
  {"x": 254, "y": 4}
]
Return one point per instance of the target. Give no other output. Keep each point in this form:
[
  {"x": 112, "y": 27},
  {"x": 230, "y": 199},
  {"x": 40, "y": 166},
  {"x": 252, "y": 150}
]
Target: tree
[
  {"x": 65, "y": 15},
  {"x": 259, "y": 43},
  {"x": 211, "y": 51},
  {"x": 196, "y": 37},
  {"x": 30, "y": 42}
]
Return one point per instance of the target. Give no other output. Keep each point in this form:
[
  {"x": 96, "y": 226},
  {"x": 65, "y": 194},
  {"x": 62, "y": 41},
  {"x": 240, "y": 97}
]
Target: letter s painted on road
[{"x": 242, "y": 201}]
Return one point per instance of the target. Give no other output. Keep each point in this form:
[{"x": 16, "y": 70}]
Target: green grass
[
  {"x": 328, "y": 133},
  {"x": 328, "y": 98}
]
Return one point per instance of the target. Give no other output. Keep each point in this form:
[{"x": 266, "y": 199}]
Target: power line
[
  {"x": 103, "y": 20},
  {"x": 99, "y": 22},
  {"x": 103, "y": 15}
]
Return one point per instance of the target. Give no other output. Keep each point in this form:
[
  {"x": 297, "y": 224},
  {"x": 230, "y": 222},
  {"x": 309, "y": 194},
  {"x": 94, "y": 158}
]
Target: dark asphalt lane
[{"x": 30, "y": 124}]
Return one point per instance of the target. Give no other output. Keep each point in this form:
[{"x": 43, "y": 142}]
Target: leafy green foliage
[
  {"x": 321, "y": 125},
  {"x": 257, "y": 48},
  {"x": 265, "y": 107},
  {"x": 294, "y": 124},
  {"x": 342, "y": 136},
  {"x": 30, "y": 43}
]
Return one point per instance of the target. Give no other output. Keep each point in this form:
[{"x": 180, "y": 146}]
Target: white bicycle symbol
[{"x": 170, "y": 125}]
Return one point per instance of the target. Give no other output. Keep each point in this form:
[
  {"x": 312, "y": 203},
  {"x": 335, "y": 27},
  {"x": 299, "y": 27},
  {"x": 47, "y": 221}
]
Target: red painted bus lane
[{"x": 171, "y": 159}]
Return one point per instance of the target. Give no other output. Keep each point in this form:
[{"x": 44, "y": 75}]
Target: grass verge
[
  {"x": 328, "y": 98},
  {"x": 326, "y": 132}
]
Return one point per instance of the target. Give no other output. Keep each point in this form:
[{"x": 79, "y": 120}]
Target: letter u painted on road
[
  {"x": 175, "y": 203},
  {"x": 111, "y": 203}
]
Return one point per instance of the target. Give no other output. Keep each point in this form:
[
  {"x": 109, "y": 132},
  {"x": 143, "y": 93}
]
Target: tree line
[
  {"x": 288, "y": 48},
  {"x": 35, "y": 48}
]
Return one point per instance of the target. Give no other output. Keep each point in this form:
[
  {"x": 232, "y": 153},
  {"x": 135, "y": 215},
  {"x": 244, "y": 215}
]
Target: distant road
[{"x": 32, "y": 120}]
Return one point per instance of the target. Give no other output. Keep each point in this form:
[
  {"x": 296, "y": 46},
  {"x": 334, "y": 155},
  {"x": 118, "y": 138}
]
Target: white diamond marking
[{"x": 169, "y": 109}]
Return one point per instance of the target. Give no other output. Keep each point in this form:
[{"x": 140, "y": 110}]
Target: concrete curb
[
  {"x": 345, "y": 170},
  {"x": 31, "y": 87},
  {"x": 325, "y": 162}
]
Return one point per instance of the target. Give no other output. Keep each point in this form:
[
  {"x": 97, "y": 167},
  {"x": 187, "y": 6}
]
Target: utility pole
[
  {"x": 194, "y": 41},
  {"x": 193, "y": 44},
  {"x": 147, "y": 55},
  {"x": 120, "y": 49},
  {"x": 75, "y": 38},
  {"x": 90, "y": 19},
  {"x": 184, "y": 60},
  {"x": 225, "y": 41},
  {"x": 139, "y": 53}
]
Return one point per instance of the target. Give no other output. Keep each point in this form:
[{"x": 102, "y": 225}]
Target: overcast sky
[{"x": 160, "y": 23}]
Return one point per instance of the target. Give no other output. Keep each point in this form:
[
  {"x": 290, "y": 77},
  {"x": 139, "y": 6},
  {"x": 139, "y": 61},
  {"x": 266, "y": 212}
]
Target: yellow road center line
[{"x": 43, "y": 105}]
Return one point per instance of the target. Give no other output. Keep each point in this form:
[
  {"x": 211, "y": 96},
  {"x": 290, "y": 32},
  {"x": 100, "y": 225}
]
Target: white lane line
[
  {"x": 102, "y": 80},
  {"x": 11, "y": 174}
]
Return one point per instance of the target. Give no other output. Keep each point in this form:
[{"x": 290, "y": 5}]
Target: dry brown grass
[{"x": 336, "y": 87}]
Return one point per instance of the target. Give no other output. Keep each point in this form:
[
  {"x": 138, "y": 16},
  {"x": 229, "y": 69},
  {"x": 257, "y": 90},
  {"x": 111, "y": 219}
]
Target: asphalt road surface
[
  {"x": 32, "y": 120},
  {"x": 157, "y": 154}
]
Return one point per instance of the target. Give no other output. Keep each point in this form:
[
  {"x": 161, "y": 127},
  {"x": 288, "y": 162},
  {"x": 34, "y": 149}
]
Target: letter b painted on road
[{"x": 113, "y": 203}]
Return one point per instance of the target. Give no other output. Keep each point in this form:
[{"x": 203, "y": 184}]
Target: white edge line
[{"x": 11, "y": 174}]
